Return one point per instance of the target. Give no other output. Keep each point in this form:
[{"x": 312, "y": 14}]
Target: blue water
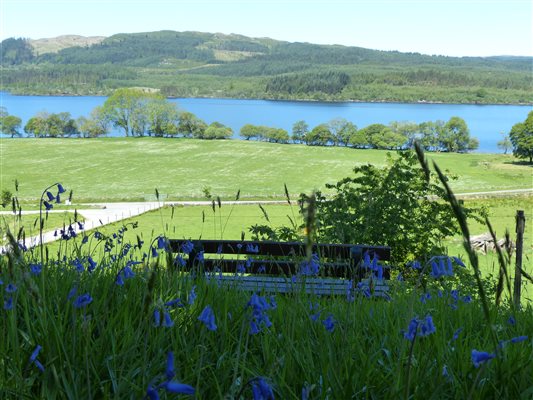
[{"x": 486, "y": 122}]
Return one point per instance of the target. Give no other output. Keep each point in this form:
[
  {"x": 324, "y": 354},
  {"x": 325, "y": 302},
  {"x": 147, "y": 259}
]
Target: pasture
[{"x": 130, "y": 169}]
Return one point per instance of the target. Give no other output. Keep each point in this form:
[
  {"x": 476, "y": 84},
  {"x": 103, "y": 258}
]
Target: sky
[{"x": 444, "y": 27}]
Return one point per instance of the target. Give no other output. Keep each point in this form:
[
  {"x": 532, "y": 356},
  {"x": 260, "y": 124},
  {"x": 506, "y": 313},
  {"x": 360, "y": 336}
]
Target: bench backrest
[{"x": 280, "y": 258}]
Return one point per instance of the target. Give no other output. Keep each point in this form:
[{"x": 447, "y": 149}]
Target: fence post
[{"x": 520, "y": 223}]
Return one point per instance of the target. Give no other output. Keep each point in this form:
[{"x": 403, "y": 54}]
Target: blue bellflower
[
  {"x": 83, "y": 300},
  {"x": 479, "y": 357},
  {"x": 208, "y": 318},
  {"x": 33, "y": 358},
  {"x": 261, "y": 390}
]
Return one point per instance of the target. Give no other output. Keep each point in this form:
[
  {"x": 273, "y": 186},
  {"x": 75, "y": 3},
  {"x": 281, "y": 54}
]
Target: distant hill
[
  {"x": 189, "y": 64},
  {"x": 54, "y": 45}
]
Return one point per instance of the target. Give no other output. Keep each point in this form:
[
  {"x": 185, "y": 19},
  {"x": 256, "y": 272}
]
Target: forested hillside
[{"x": 193, "y": 64}]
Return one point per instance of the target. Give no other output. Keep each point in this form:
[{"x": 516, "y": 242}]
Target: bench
[{"x": 283, "y": 267}]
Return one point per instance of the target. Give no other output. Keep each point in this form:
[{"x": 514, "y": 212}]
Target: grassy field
[
  {"x": 30, "y": 223},
  {"x": 114, "y": 169}
]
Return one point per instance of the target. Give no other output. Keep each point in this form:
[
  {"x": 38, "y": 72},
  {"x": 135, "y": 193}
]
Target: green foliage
[
  {"x": 15, "y": 51},
  {"x": 5, "y": 198},
  {"x": 394, "y": 206},
  {"x": 9, "y": 124},
  {"x": 521, "y": 136},
  {"x": 192, "y": 64},
  {"x": 325, "y": 82},
  {"x": 51, "y": 125},
  {"x": 264, "y": 133}
]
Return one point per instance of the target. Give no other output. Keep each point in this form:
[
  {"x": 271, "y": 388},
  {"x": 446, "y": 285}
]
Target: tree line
[{"x": 140, "y": 113}]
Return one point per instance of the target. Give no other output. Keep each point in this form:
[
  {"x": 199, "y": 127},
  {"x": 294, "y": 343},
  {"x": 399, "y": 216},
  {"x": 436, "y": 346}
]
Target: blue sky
[{"x": 446, "y": 27}]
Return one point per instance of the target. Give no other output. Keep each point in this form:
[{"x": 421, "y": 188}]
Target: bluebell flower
[
  {"x": 11, "y": 288},
  {"x": 92, "y": 263},
  {"x": 415, "y": 265},
  {"x": 261, "y": 390},
  {"x": 120, "y": 279},
  {"x": 55, "y": 233},
  {"x": 33, "y": 358},
  {"x": 329, "y": 323},
  {"x": 192, "y": 295},
  {"x": 240, "y": 268},
  {"x": 187, "y": 247},
  {"x": 511, "y": 320},
  {"x": 459, "y": 262},
  {"x": 8, "y": 304},
  {"x": 47, "y": 205},
  {"x": 254, "y": 328},
  {"x": 154, "y": 252},
  {"x": 179, "y": 261},
  {"x": 51, "y": 197},
  {"x": 362, "y": 287},
  {"x": 169, "y": 372},
  {"x": 519, "y": 339},
  {"x": 310, "y": 267},
  {"x": 208, "y": 318},
  {"x": 80, "y": 225},
  {"x": 419, "y": 327},
  {"x": 180, "y": 388},
  {"x": 250, "y": 248},
  {"x": 58, "y": 199},
  {"x": 200, "y": 256},
  {"x": 479, "y": 357},
  {"x": 174, "y": 303},
  {"x": 60, "y": 188},
  {"x": 445, "y": 372},
  {"x": 157, "y": 318},
  {"x": 78, "y": 264},
  {"x": 35, "y": 269},
  {"x": 456, "y": 334},
  {"x": 167, "y": 320},
  {"x": 467, "y": 299},
  {"x": 85, "y": 239},
  {"x": 425, "y": 297},
  {"x": 161, "y": 242},
  {"x": 128, "y": 272},
  {"x": 151, "y": 393},
  {"x": 455, "y": 294},
  {"x": 83, "y": 300},
  {"x": 426, "y": 326},
  {"x": 72, "y": 293}
]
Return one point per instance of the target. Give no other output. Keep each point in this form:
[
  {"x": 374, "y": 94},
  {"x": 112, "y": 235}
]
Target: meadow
[
  {"x": 114, "y": 316},
  {"x": 129, "y": 169}
]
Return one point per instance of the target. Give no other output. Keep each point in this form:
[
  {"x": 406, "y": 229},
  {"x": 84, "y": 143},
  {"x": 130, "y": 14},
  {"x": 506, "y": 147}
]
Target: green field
[
  {"x": 30, "y": 223},
  {"x": 114, "y": 169}
]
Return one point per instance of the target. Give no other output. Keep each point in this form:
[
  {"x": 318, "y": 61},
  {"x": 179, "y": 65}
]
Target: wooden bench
[{"x": 283, "y": 267}]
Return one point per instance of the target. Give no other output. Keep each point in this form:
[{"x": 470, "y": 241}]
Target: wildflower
[
  {"x": 174, "y": 303},
  {"x": 179, "y": 261},
  {"x": 60, "y": 188},
  {"x": 310, "y": 267},
  {"x": 250, "y": 248},
  {"x": 35, "y": 269},
  {"x": 128, "y": 272},
  {"x": 11, "y": 288},
  {"x": 119, "y": 280},
  {"x": 154, "y": 252},
  {"x": 33, "y": 358},
  {"x": 50, "y": 196},
  {"x": 425, "y": 297},
  {"x": 72, "y": 293},
  {"x": 261, "y": 390},
  {"x": 208, "y": 318},
  {"x": 459, "y": 262},
  {"x": 157, "y": 318},
  {"x": 415, "y": 265},
  {"x": 254, "y": 328},
  {"x": 58, "y": 199},
  {"x": 84, "y": 240},
  {"x": 419, "y": 327},
  {"x": 479, "y": 357},
  {"x": 362, "y": 287},
  {"x": 47, "y": 205},
  {"x": 200, "y": 256},
  {"x": 83, "y": 300},
  {"x": 187, "y": 247},
  {"x": 456, "y": 334},
  {"x": 240, "y": 268},
  {"x": 329, "y": 323},
  {"x": 519, "y": 339},
  {"x": 151, "y": 393},
  {"x": 161, "y": 242},
  {"x": 8, "y": 304},
  {"x": 177, "y": 387},
  {"x": 192, "y": 295},
  {"x": 167, "y": 320},
  {"x": 78, "y": 264},
  {"x": 92, "y": 263},
  {"x": 511, "y": 320},
  {"x": 467, "y": 299}
]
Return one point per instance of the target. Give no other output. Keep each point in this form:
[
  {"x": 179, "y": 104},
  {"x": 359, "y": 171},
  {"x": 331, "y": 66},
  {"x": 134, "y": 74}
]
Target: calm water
[{"x": 486, "y": 122}]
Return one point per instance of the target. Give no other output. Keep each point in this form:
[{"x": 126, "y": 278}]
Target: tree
[
  {"x": 319, "y": 136},
  {"x": 407, "y": 129},
  {"x": 387, "y": 206},
  {"x": 299, "y": 131},
  {"x": 505, "y": 144},
  {"x": 217, "y": 131},
  {"x": 430, "y": 132},
  {"x": 373, "y": 133},
  {"x": 37, "y": 126},
  {"x": 336, "y": 127},
  {"x": 125, "y": 109},
  {"x": 521, "y": 137},
  {"x": 249, "y": 131},
  {"x": 94, "y": 126},
  {"x": 10, "y": 125},
  {"x": 190, "y": 125},
  {"x": 456, "y": 136}
]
